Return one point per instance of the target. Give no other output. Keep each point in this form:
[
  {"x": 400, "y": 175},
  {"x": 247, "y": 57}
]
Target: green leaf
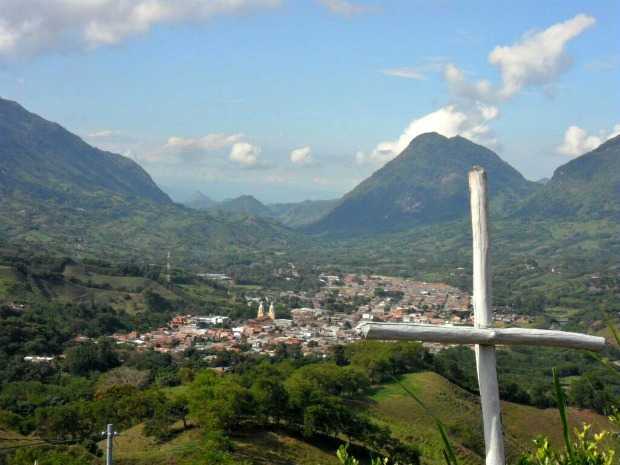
[{"x": 561, "y": 399}]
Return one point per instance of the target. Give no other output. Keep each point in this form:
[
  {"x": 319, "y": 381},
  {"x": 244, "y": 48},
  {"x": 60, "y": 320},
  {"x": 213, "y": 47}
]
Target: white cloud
[
  {"x": 110, "y": 136},
  {"x": 301, "y": 156},
  {"x": 535, "y": 60},
  {"x": 34, "y": 26},
  {"x": 577, "y": 141},
  {"x": 539, "y": 57},
  {"x": 360, "y": 157},
  {"x": 245, "y": 154},
  {"x": 191, "y": 149},
  {"x": 344, "y": 7},
  {"x": 104, "y": 133},
  {"x": 431, "y": 64},
  {"x": 481, "y": 90},
  {"x": 407, "y": 73},
  {"x": 213, "y": 141},
  {"x": 448, "y": 121}
]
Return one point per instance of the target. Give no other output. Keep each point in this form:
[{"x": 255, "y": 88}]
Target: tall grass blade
[
  {"x": 559, "y": 393},
  {"x": 613, "y": 330}
]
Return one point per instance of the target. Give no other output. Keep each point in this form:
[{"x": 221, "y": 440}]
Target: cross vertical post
[
  {"x": 483, "y": 318},
  {"x": 483, "y": 335}
]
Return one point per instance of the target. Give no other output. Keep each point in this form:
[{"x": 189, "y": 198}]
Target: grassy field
[
  {"x": 391, "y": 406},
  {"x": 119, "y": 292},
  {"x": 460, "y": 412},
  {"x": 79, "y": 284},
  {"x": 260, "y": 448}
]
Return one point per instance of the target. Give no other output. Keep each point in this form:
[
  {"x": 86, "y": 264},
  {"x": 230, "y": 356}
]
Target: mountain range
[
  {"x": 289, "y": 214},
  {"x": 427, "y": 184},
  {"x": 59, "y": 191},
  {"x": 63, "y": 194}
]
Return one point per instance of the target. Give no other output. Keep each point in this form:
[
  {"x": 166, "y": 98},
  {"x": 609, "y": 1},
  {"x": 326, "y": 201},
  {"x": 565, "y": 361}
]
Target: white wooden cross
[{"x": 483, "y": 335}]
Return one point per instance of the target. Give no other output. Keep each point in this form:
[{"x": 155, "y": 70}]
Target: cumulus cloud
[
  {"x": 191, "y": 149},
  {"x": 33, "y": 26},
  {"x": 448, "y": 121},
  {"x": 538, "y": 58},
  {"x": 245, "y": 154},
  {"x": 577, "y": 141},
  {"x": 301, "y": 156},
  {"x": 213, "y": 141},
  {"x": 344, "y": 7},
  {"x": 481, "y": 90}
]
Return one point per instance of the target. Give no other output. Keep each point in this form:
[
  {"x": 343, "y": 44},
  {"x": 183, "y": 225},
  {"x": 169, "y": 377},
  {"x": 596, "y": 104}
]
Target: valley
[{"x": 225, "y": 329}]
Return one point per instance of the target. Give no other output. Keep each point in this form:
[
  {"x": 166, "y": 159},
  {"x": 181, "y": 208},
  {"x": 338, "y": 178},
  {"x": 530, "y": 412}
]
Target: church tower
[
  {"x": 261, "y": 312},
  {"x": 272, "y": 312}
]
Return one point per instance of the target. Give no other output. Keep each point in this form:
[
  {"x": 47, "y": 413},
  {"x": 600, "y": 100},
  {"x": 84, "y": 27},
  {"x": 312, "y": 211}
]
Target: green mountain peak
[{"x": 426, "y": 183}]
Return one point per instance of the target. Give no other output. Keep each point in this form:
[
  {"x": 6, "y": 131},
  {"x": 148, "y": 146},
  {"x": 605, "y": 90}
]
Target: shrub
[{"x": 588, "y": 449}]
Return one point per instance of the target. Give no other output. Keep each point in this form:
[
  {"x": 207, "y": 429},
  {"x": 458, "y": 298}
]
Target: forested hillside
[
  {"x": 585, "y": 188},
  {"x": 425, "y": 184}
]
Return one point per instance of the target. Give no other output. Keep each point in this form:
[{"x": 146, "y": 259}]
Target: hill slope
[
  {"x": 426, "y": 183},
  {"x": 390, "y": 406},
  {"x": 302, "y": 213},
  {"x": 460, "y": 412},
  {"x": 43, "y": 160},
  {"x": 60, "y": 195},
  {"x": 587, "y": 187}
]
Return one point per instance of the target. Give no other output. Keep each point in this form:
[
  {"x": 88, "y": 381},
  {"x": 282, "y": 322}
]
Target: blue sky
[{"x": 290, "y": 100}]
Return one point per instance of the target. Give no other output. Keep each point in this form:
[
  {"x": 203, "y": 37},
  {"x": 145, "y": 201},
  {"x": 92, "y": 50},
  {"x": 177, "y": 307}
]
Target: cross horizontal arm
[{"x": 490, "y": 336}]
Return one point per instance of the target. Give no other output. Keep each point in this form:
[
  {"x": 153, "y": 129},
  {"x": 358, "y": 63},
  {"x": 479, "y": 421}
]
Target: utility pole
[{"x": 109, "y": 433}]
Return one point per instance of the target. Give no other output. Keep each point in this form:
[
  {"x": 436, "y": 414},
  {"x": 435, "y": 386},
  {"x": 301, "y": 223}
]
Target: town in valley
[{"x": 315, "y": 327}]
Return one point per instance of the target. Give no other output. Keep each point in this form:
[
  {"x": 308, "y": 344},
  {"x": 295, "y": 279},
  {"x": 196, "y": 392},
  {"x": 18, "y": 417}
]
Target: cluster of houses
[
  {"x": 331, "y": 316},
  {"x": 315, "y": 328}
]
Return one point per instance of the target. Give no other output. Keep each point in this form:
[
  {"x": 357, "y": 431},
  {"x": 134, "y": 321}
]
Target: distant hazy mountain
[
  {"x": 41, "y": 159},
  {"x": 586, "y": 187},
  {"x": 244, "y": 205},
  {"x": 200, "y": 201},
  {"x": 293, "y": 215},
  {"x": 426, "y": 183},
  {"x": 302, "y": 213}
]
